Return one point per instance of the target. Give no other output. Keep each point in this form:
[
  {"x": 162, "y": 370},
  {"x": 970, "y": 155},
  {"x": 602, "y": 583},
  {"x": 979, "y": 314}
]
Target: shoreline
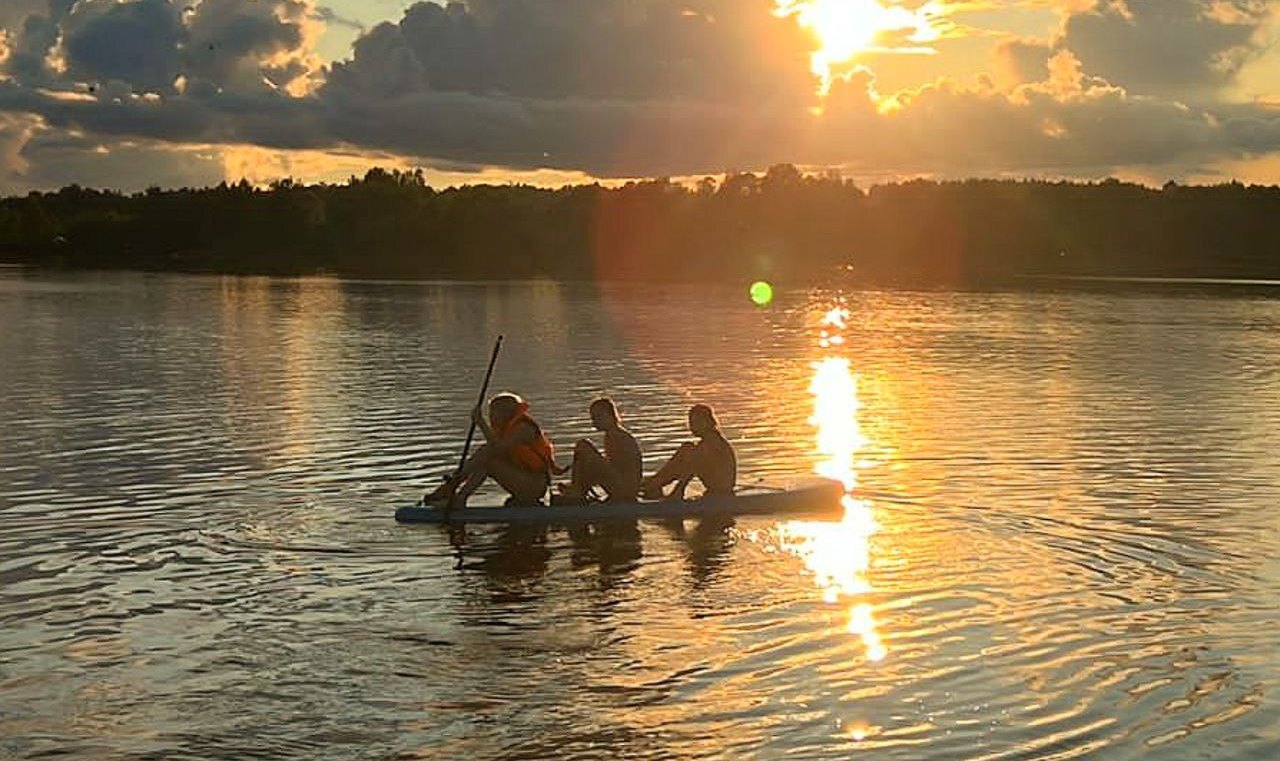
[{"x": 1012, "y": 284}]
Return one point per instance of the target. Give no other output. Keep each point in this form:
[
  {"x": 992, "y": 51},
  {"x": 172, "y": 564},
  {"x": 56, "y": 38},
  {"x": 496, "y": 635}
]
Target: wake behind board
[{"x": 814, "y": 499}]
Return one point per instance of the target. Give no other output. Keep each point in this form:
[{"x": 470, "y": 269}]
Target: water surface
[{"x": 1063, "y": 539}]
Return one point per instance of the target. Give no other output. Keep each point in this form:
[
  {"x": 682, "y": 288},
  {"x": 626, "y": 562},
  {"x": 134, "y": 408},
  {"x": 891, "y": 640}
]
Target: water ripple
[{"x": 1074, "y": 554}]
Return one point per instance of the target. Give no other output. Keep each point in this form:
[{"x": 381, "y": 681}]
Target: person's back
[
  {"x": 719, "y": 472},
  {"x": 711, "y": 460},
  {"x": 623, "y": 452}
]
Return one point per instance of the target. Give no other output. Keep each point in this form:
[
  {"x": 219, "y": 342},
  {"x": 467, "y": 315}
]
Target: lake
[{"x": 1063, "y": 538}]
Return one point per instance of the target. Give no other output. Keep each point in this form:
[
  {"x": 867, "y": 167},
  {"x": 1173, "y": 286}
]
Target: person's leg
[
  {"x": 465, "y": 481},
  {"x": 473, "y": 474},
  {"x": 526, "y": 486},
  {"x": 588, "y": 464},
  {"x": 680, "y": 468},
  {"x": 591, "y": 469}
]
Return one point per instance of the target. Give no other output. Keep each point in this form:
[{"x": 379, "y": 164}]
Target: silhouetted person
[
  {"x": 711, "y": 460},
  {"x": 617, "y": 470},
  {"x": 516, "y": 454}
]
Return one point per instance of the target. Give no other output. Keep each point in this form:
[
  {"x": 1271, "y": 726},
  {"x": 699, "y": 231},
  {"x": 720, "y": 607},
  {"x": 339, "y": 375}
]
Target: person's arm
[
  {"x": 630, "y": 462},
  {"x": 478, "y": 417},
  {"x": 681, "y": 485},
  {"x": 614, "y": 441}
]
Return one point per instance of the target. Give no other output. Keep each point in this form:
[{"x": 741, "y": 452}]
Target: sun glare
[
  {"x": 838, "y": 554},
  {"x": 846, "y": 29}
]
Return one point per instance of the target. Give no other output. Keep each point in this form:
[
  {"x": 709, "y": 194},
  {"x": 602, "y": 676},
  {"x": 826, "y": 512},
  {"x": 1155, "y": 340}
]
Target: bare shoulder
[{"x": 623, "y": 438}]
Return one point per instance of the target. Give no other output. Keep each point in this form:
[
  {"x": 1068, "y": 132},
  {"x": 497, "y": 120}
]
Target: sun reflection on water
[{"x": 839, "y": 554}]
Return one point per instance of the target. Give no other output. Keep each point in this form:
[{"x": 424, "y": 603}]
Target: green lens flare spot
[{"x": 761, "y": 293}]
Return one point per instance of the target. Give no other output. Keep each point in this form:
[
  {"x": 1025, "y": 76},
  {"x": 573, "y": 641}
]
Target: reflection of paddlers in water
[
  {"x": 617, "y": 470},
  {"x": 516, "y": 454},
  {"x": 711, "y": 460}
]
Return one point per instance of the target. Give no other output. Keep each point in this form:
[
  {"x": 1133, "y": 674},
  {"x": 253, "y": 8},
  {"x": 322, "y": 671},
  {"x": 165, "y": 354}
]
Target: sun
[{"x": 845, "y": 29}]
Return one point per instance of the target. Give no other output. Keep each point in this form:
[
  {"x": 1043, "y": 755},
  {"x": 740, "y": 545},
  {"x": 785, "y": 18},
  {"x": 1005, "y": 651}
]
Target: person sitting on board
[
  {"x": 617, "y": 471},
  {"x": 711, "y": 460},
  {"x": 516, "y": 454}
]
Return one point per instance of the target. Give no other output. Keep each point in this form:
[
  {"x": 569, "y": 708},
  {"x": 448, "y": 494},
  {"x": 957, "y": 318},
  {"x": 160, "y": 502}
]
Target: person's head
[
  {"x": 604, "y": 414},
  {"x": 702, "y": 420},
  {"x": 504, "y": 407}
]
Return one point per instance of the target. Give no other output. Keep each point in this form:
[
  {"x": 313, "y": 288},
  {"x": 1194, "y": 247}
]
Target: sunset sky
[{"x": 130, "y": 94}]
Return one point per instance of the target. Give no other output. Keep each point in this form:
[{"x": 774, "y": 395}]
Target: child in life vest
[{"x": 516, "y": 454}]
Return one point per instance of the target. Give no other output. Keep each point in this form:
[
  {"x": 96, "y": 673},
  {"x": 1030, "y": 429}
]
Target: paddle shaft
[{"x": 484, "y": 391}]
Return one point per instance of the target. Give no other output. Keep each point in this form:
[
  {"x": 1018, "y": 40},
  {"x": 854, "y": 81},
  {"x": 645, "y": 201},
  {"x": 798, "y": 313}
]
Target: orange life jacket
[{"x": 538, "y": 456}]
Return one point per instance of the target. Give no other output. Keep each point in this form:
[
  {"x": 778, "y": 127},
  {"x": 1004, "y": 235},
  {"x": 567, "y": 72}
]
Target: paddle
[
  {"x": 484, "y": 391},
  {"x": 471, "y": 432}
]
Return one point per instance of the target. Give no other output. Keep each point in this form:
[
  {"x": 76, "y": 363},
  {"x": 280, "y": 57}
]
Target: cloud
[
  {"x": 32, "y": 155},
  {"x": 15, "y": 132},
  {"x": 1066, "y": 123},
  {"x": 1173, "y": 48},
  {"x": 332, "y": 18},
  {"x": 245, "y": 46},
  {"x": 29, "y": 47},
  {"x": 136, "y": 43},
  {"x": 597, "y": 49},
  {"x": 14, "y": 12},
  {"x": 619, "y": 88},
  {"x": 1020, "y": 61},
  {"x": 157, "y": 46}
]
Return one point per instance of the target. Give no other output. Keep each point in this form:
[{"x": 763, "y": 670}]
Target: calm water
[{"x": 1064, "y": 540}]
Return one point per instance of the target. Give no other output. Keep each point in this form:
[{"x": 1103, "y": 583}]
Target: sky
[{"x": 127, "y": 94}]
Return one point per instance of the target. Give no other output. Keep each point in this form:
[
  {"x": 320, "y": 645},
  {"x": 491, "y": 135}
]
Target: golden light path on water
[{"x": 838, "y": 554}]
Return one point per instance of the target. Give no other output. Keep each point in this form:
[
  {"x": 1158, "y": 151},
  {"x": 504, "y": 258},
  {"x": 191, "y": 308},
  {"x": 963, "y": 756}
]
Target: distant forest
[{"x": 781, "y": 225}]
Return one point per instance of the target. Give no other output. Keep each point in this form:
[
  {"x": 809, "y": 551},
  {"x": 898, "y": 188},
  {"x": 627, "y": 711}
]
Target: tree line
[{"x": 780, "y": 225}]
